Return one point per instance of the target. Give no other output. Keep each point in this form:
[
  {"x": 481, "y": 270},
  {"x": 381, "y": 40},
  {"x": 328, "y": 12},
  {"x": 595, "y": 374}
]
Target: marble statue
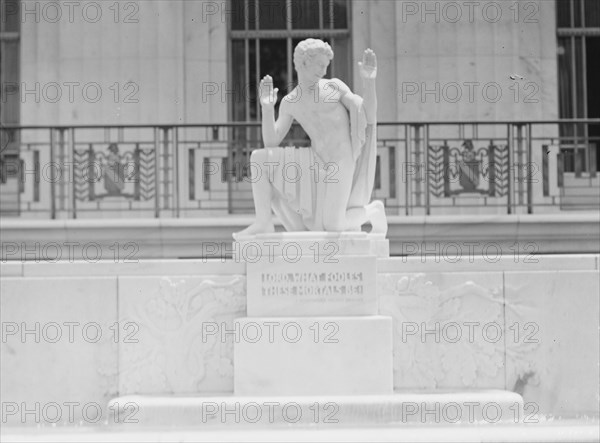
[{"x": 328, "y": 186}]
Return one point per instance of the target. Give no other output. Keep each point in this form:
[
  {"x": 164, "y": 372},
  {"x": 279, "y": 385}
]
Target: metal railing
[{"x": 98, "y": 171}]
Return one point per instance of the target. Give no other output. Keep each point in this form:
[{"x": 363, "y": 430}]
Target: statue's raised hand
[
  {"x": 368, "y": 66},
  {"x": 268, "y": 95}
]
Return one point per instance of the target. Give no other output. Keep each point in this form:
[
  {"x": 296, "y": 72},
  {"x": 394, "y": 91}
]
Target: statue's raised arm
[
  {"x": 272, "y": 131},
  {"x": 368, "y": 65},
  {"x": 368, "y": 72}
]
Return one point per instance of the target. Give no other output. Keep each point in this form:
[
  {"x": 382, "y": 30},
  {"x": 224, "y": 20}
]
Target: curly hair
[{"x": 309, "y": 48}]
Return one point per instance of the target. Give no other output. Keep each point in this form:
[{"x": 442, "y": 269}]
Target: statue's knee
[{"x": 334, "y": 225}]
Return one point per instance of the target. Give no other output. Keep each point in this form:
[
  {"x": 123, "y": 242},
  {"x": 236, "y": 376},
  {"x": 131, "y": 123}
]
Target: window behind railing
[
  {"x": 263, "y": 37},
  {"x": 9, "y": 72},
  {"x": 578, "y": 32},
  {"x": 9, "y": 106}
]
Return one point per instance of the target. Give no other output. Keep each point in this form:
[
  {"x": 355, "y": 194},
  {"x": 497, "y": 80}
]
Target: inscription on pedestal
[
  {"x": 277, "y": 287},
  {"x": 317, "y": 286}
]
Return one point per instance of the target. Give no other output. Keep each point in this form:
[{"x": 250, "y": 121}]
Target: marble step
[
  {"x": 435, "y": 408},
  {"x": 579, "y": 431}
]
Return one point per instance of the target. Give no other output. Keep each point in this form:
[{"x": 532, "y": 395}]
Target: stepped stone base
[
  {"x": 321, "y": 246},
  {"x": 413, "y": 408},
  {"x": 314, "y": 356}
]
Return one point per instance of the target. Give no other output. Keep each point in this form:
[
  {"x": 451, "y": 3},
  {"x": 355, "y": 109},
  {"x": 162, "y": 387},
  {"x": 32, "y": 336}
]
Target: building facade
[{"x": 442, "y": 67}]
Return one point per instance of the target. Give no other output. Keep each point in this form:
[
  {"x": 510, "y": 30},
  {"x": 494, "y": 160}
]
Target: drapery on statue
[{"x": 328, "y": 186}]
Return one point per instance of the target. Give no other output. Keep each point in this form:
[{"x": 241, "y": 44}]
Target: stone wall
[
  {"x": 149, "y": 60},
  {"x": 530, "y": 328},
  {"x": 167, "y": 49}
]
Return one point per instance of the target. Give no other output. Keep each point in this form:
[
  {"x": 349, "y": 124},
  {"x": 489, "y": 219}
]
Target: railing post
[
  {"x": 446, "y": 166},
  {"x": 166, "y": 167},
  {"x": 560, "y": 173},
  {"x": 90, "y": 159},
  {"x": 62, "y": 191},
  {"x": 520, "y": 174},
  {"x": 426, "y": 153},
  {"x": 578, "y": 161},
  {"x": 529, "y": 170},
  {"x": 576, "y": 151},
  {"x": 417, "y": 145},
  {"x": 491, "y": 169},
  {"x": 52, "y": 177},
  {"x": 176, "y": 170},
  {"x": 156, "y": 171},
  {"x": 229, "y": 159},
  {"x": 511, "y": 177},
  {"x": 407, "y": 129},
  {"x": 72, "y": 178},
  {"x": 592, "y": 159}
]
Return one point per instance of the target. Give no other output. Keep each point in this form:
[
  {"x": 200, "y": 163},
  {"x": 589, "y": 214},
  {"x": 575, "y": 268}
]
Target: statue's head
[{"x": 308, "y": 49}]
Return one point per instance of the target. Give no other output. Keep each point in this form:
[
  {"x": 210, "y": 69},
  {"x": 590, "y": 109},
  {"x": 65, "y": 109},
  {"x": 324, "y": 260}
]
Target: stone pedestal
[
  {"x": 312, "y": 346},
  {"x": 313, "y": 326},
  {"x": 314, "y": 356}
]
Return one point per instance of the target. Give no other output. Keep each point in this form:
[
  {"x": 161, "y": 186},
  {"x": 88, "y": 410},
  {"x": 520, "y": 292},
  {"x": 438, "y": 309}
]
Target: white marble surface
[
  {"x": 131, "y": 267},
  {"x": 308, "y": 286},
  {"x": 511, "y": 260},
  {"x": 11, "y": 269},
  {"x": 180, "y": 325},
  {"x": 573, "y": 431},
  {"x": 564, "y": 300},
  {"x": 314, "y": 356},
  {"x": 413, "y": 262},
  {"x": 66, "y": 360},
  {"x": 169, "y": 50},
  {"x": 441, "y": 326},
  {"x": 573, "y": 233},
  {"x": 432, "y": 52},
  {"x": 557, "y": 316},
  {"x": 409, "y": 49}
]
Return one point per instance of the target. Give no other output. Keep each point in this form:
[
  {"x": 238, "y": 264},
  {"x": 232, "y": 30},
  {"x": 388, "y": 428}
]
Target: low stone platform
[
  {"x": 413, "y": 408},
  {"x": 572, "y": 233},
  {"x": 563, "y": 431}
]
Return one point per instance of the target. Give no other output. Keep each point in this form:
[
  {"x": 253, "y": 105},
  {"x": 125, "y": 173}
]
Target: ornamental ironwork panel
[
  {"x": 455, "y": 170},
  {"x": 114, "y": 172}
]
